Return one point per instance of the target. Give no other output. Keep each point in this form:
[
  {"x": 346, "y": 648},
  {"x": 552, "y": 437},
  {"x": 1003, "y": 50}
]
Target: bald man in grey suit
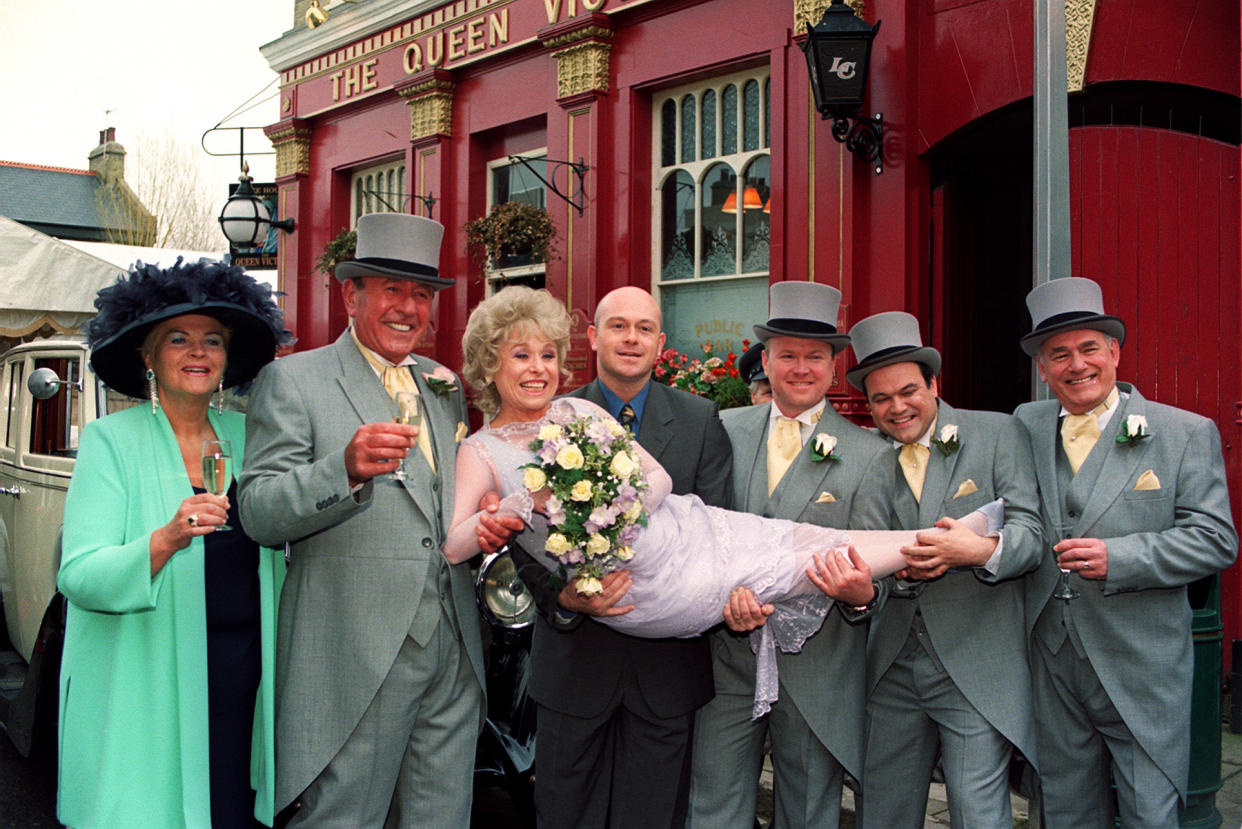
[{"x": 1135, "y": 506}]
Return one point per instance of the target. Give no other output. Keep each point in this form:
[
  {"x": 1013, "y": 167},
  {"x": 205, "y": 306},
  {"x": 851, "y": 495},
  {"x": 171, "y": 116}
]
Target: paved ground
[{"x": 1228, "y": 799}]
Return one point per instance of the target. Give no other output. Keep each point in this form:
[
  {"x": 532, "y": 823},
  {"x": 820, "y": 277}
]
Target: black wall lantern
[
  {"x": 245, "y": 218},
  {"x": 838, "y": 55}
]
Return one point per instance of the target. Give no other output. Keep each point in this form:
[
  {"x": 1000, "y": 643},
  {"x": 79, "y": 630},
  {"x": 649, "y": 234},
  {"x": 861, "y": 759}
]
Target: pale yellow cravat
[
  {"x": 400, "y": 379},
  {"x": 784, "y": 444},
  {"x": 913, "y": 458},
  {"x": 1079, "y": 433}
]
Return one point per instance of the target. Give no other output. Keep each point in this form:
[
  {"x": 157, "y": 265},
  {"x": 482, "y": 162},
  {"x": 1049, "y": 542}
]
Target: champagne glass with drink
[
  {"x": 1064, "y": 590},
  {"x": 217, "y": 469},
  {"x": 409, "y": 413}
]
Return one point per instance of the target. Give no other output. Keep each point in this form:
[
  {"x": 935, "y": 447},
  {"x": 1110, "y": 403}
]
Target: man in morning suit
[
  {"x": 1135, "y": 507},
  {"x": 379, "y": 664},
  {"x": 947, "y": 671},
  {"x": 615, "y": 712},
  {"x": 816, "y": 725}
]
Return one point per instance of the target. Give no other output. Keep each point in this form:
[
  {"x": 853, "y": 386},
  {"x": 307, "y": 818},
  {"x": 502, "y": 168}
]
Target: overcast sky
[{"x": 156, "y": 64}]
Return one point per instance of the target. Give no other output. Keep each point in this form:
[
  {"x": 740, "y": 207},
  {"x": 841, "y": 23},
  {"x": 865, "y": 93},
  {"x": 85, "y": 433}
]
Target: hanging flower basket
[
  {"x": 512, "y": 234},
  {"x": 341, "y": 249}
]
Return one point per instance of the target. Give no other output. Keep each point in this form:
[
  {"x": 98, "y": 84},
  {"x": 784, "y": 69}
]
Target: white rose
[
  {"x": 1136, "y": 425},
  {"x": 624, "y": 553},
  {"x": 622, "y": 465},
  {"x": 570, "y": 457},
  {"x": 948, "y": 433},
  {"x": 534, "y": 479},
  {"x": 557, "y": 544},
  {"x": 550, "y": 431},
  {"x": 597, "y": 545},
  {"x": 589, "y": 586},
  {"x": 581, "y": 491},
  {"x": 634, "y": 512},
  {"x": 824, "y": 444},
  {"x": 614, "y": 428}
]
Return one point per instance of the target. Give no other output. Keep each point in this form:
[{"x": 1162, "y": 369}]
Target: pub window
[
  {"x": 512, "y": 181},
  {"x": 710, "y": 210},
  {"x": 379, "y": 189}
]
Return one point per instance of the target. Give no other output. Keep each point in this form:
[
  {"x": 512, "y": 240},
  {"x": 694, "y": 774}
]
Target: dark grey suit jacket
[{"x": 577, "y": 667}]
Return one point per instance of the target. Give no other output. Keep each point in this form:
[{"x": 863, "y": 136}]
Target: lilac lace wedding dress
[{"x": 688, "y": 558}]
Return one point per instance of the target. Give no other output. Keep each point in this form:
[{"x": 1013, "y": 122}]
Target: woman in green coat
[{"x": 166, "y": 698}]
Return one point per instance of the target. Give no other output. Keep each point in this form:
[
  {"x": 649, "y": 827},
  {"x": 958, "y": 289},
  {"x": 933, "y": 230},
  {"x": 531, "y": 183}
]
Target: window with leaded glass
[
  {"x": 379, "y": 189},
  {"x": 712, "y": 174}
]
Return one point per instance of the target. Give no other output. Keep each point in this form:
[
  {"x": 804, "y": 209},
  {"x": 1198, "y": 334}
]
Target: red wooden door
[{"x": 1155, "y": 221}]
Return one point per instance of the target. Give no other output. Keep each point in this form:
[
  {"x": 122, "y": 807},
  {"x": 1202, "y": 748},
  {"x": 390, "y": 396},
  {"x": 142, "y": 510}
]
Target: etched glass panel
[
  {"x": 707, "y": 143},
  {"x": 718, "y": 229},
  {"x": 677, "y": 227},
  {"x": 755, "y": 222},
  {"x": 750, "y": 115},
  {"x": 668, "y": 133},
  {"x": 767, "y": 112},
  {"x": 688, "y": 117},
  {"x": 728, "y": 120}
]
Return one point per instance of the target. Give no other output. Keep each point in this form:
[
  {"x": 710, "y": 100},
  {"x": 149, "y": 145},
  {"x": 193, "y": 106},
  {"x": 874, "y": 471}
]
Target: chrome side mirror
[
  {"x": 44, "y": 384},
  {"x": 503, "y": 598}
]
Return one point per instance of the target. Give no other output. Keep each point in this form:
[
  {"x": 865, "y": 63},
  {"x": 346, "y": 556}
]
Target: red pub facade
[{"x": 683, "y": 137}]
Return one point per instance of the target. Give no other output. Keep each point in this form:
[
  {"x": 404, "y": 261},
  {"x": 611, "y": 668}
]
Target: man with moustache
[
  {"x": 947, "y": 671},
  {"x": 1135, "y": 507},
  {"x": 379, "y": 662},
  {"x": 795, "y": 458},
  {"x": 616, "y": 712}
]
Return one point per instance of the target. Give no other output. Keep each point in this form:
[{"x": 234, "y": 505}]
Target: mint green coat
[{"x": 133, "y": 684}]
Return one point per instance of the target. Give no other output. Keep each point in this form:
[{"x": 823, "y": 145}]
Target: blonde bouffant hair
[{"x": 511, "y": 313}]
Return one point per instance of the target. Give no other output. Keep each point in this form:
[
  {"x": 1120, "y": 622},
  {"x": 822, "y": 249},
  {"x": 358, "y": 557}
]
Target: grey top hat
[
  {"x": 807, "y": 310},
  {"x": 398, "y": 246},
  {"x": 750, "y": 364},
  {"x": 1067, "y": 304},
  {"x": 883, "y": 339}
]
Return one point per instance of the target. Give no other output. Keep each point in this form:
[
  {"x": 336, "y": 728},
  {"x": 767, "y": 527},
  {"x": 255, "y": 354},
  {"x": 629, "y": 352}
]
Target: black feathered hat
[{"x": 148, "y": 294}]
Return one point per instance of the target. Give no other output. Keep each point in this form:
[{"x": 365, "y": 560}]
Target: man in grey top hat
[
  {"x": 1135, "y": 507},
  {"x": 781, "y": 470},
  {"x": 379, "y": 663},
  {"x": 947, "y": 671}
]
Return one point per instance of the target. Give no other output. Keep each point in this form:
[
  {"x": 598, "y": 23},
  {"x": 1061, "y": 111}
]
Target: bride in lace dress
[{"x": 690, "y": 556}]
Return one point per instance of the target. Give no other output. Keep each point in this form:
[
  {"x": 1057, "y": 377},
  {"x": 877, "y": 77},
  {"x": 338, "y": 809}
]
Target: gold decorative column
[
  {"x": 583, "y": 51},
  {"x": 810, "y": 11},
  {"x": 292, "y": 140},
  {"x": 430, "y": 97},
  {"x": 1079, "y": 16}
]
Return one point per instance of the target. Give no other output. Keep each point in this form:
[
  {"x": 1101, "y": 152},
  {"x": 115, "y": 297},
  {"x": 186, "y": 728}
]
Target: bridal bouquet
[{"x": 591, "y": 470}]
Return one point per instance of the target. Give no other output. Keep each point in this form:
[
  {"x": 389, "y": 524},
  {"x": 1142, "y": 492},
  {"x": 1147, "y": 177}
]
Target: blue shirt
[{"x": 613, "y": 404}]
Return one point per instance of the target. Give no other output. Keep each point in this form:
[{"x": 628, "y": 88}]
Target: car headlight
[{"x": 502, "y": 596}]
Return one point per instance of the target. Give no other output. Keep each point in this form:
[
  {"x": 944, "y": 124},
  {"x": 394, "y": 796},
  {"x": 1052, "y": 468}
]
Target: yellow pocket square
[
  {"x": 462, "y": 431},
  {"x": 967, "y": 487},
  {"x": 1146, "y": 481},
  {"x": 825, "y": 498}
]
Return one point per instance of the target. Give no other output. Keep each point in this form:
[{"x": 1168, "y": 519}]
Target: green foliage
[
  {"x": 511, "y": 229},
  {"x": 341, "y": 249}
]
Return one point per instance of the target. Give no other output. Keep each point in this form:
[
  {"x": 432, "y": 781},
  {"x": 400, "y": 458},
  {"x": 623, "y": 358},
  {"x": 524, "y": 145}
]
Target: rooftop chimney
[{"x": 108, "y": 159}]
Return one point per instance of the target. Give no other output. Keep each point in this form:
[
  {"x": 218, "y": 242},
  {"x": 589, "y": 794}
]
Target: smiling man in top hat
[
  {"x": 1135, "y": 507},
  {"x": 947, "y": 671},
  {"x": 816, "y": 724},
  {"x": 379, "y": 663}
]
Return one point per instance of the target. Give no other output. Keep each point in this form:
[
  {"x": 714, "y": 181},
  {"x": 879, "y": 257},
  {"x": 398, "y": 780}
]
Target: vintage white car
[{"x": 49, "y": 394}]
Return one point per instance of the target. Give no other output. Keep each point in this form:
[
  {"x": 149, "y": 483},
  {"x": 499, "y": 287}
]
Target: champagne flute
[
  {"x": 409, "y": 413},
  {"x": 1064, "y": 590},
  {"x": 217, "y": 469}
]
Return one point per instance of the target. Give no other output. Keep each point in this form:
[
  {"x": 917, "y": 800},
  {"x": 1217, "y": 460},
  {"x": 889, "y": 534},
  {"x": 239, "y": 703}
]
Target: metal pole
[{"x": 1051, "y": 164}]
